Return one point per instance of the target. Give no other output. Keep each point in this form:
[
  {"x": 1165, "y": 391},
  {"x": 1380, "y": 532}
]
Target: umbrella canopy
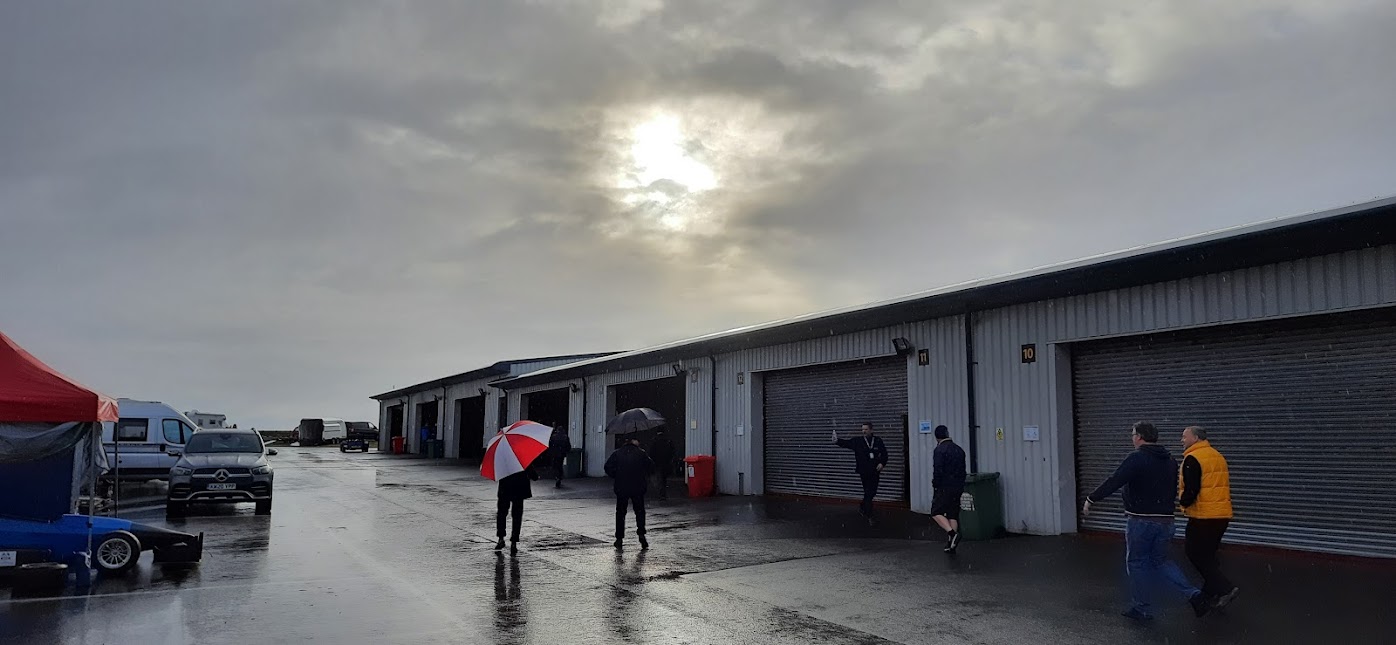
[
  {"x": 514, "y": 448},
  {"x": 31, "y": 391},
  {"x": 634, "y": 420}
]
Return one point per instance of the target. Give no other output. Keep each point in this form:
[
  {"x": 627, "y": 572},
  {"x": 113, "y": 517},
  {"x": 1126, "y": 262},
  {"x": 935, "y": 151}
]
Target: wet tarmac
[{"x": 369, "y": 548}]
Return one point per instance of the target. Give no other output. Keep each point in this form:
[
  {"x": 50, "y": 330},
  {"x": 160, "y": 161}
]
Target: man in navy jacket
[
  {"x": 948, "y": 480},
  {"x": 870, "y": 457},
  {"x": 1149, "y": 476}
]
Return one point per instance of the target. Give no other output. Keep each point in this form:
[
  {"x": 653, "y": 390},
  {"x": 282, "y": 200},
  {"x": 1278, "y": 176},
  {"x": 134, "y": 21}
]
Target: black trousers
[
  {"x": 870, "y": 482},
  {"x": 557, "y": 467},
  {"x": 638, "y": 503},
  {"x": 663, "y": 481},
  {"x": 1201, "y": 541},
  {"x": 509, "y": 507}
]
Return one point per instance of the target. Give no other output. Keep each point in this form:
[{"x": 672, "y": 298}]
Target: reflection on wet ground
[{"x": 368, "y": 548}]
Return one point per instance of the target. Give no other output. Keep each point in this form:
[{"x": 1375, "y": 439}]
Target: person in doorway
[
  {"x": 870, "y": 457},
  {"x": 513, "y": 490},
  {"x": 1149, "y": 477},
  {"x": 662, "y": 452},
  {"x": 558, "y": 447},
  {"x": 948, "y": 481},
  {"x": 1204, "y": 493},
  {"x": 629, "y": 466}
]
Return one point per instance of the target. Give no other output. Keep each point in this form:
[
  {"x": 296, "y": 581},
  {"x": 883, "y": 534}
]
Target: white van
[{"x": 146, "y": 441}]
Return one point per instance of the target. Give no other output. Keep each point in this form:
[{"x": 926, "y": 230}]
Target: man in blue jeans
[{"x": 1149, "y": 476}]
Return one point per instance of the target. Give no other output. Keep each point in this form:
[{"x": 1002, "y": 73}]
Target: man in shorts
[{"x": 948, "y": 480}]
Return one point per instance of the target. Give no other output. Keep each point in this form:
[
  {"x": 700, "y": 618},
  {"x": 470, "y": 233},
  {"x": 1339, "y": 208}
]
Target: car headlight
[
  {"x": 261, "y": 470},
  {"x": 180, "y": 470}
]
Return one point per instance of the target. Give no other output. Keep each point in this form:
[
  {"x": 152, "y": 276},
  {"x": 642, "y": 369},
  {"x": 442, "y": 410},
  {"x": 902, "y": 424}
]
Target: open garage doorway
[
  {"x": 470, "y": 426},
  {"x": 427, "y": 415},
  {"x": 669, "y": 398},
  {"x": 550, "y": 408},
  {"x": 395, "y": 421}
]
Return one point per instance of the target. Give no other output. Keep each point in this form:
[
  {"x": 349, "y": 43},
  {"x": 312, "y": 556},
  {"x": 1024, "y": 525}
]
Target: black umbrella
[{"x": 634, "y": 420}]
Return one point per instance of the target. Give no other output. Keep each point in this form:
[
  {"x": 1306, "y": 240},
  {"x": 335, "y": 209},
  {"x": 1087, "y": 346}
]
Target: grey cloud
[{"x": 279, "y": 209}]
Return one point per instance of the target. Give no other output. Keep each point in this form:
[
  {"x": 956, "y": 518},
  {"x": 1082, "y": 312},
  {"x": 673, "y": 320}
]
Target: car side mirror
[{"x": 271, "y": 452}]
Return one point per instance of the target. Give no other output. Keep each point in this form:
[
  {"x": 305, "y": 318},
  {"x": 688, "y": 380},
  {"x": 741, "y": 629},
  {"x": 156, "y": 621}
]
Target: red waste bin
[
  {"x": 700, "y": 475},
  {"x": 397, "y": 445}
]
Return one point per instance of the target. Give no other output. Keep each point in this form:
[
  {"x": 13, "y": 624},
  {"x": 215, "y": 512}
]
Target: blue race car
[{"x": 116, "y": 543}]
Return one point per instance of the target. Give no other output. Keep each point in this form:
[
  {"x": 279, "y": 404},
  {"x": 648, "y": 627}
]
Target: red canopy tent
[{"x": 31, "y": 391}]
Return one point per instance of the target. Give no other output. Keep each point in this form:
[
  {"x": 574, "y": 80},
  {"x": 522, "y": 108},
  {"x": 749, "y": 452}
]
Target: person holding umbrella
[
  {"x": 629, "y": 466},
  {"x": 509, "y": 460}
]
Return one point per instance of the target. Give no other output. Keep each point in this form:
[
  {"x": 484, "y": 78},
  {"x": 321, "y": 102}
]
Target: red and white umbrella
[{"x": 514, "y": 448}]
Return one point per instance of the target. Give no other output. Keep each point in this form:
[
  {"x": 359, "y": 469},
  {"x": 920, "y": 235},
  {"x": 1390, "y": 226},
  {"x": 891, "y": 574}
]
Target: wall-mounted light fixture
[
  {"x": 741, "y": 378},
  {"x": 483, "y": 392},
  {"x": 678, "y": 369},
  {"x": 903, "y": 346},
  {"x": 573, "y": 387}
]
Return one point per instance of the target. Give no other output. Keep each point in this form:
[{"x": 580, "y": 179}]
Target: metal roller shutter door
[
  {"x": 801, "y": 408},
  {"x": 1304, "y": 411}
]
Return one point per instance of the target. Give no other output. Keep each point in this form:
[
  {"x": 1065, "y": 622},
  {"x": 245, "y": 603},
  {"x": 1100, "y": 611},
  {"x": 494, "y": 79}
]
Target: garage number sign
[{"x": 1029, "y": 353}]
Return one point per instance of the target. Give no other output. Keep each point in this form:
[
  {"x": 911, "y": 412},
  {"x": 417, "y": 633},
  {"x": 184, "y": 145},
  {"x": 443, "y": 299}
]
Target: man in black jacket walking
[
  {"x": 558, "y": 447},
  {"x": 630, "y": 468},
  {"x": 1149, "y": 476},
  {"x": 948, "y": 480},
  {"x": 662, "y": 452},
  {"x": 870, "y": 457},
  {"x": 513, "y": 490}
]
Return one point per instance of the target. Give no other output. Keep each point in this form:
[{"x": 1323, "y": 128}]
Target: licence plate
[
  {"x": 7, "y": 558},
  {"x": 222, "y": 486}
]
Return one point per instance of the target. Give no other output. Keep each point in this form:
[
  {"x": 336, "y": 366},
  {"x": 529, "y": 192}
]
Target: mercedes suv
[{"x": 222, "y": 466}]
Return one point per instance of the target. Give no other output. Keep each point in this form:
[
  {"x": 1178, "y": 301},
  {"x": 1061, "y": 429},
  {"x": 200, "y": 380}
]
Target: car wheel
[
  {"x": 364, "y": 449},
  {"x": 175, "y": 509},
  {"x": 116, "y": 553},
  {"x": 264, "y": 507},
  {"x": 343, "y": 448}
]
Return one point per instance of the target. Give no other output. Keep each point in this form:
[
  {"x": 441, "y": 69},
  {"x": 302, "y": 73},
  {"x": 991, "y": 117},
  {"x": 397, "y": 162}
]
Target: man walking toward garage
[
  {"x": 1204, "y": 493},
  {"x": 948, "y": 480},
  {"x": 513, "y": 490},
  {"x": 558, "y": 446},
  {"x": 630, "y": 468},
  {"x": 1149, "y": 478},
  {"x": 870, "y": 457}
]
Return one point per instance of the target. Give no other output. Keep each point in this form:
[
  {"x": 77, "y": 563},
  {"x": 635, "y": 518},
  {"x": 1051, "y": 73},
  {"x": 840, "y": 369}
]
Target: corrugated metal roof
[
  {"x": 502, "y": 369},
  {"x": 1331, "y": 231}
]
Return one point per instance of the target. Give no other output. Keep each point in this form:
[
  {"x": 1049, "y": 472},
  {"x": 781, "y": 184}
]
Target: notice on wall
[
  {"x": 925, "y": 427},
  {"x": 1031, "y": 433},
  {"x": 999, "y": 434},
  {"x": 966, "y": 502},
  {"x": 741, "y": 430}
]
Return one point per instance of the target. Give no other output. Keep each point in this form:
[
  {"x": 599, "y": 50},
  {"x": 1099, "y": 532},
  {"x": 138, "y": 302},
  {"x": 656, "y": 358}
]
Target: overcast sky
[{"x": 275, "y": 210}]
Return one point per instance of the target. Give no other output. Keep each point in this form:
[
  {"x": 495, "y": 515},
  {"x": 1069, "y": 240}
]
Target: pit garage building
[
  {"x": 1279, "y": 337},
  {"x": 464, "y": 411}
]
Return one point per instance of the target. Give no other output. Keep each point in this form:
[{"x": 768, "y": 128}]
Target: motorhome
[{"x": 146, "y": 441}]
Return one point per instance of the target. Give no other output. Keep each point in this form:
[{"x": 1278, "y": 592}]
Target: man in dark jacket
[
  {"x": 558, "y": 447},
  {"x": 870, "y": 457},
  {"x": 662, "y": 452},
  {"x": 1149, "y": 476},
  {"x": 948, "y": 480},
  {"x": 630, "y": 468},
  {"x": 513, "y": 490}
]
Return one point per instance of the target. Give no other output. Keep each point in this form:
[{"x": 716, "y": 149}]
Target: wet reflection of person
[
  {"x": 510, "y": 619},
  {"x": 513, "y": 490},
  {"x": 623, "y": 619}
]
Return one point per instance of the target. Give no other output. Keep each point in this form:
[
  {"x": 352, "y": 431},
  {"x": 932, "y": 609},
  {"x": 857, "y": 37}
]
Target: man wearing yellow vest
[{"x": 1204, "y": 492}]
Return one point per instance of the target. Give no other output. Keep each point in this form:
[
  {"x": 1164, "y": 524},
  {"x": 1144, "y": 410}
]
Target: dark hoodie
[{"x": 1149, "y": 476}]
